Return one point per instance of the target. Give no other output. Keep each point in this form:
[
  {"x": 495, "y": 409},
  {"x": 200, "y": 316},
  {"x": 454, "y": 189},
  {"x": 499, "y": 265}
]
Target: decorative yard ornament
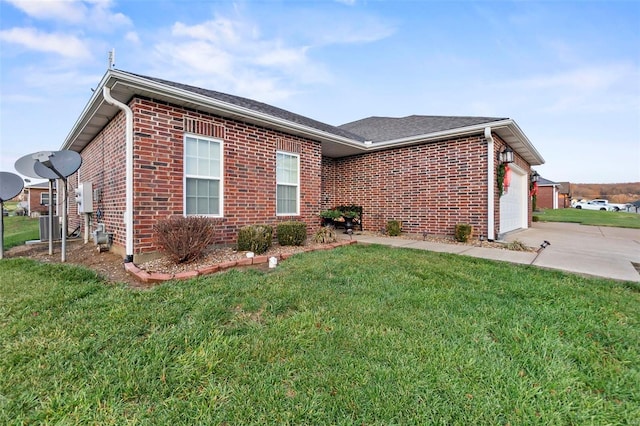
[{"x": 10, "y": 185}]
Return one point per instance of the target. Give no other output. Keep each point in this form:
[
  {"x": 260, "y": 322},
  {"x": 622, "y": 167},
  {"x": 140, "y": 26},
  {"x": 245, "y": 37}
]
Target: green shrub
[
  {"x": 291, "y": 233},
  {"x": 394, "y": 228},
  {"x": 325, "y": 235},
  {"x": 535, "y": 219},
  {"x": 183, "y": 239},
  {"x": 463, "y": 232},
  {"x": 331, "y": 214},
  {"x": 255, "y": 238}
]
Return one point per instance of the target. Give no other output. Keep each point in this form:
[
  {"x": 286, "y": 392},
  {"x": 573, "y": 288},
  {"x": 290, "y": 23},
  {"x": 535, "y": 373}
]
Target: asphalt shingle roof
[
  {"x": 379, "y": 129},
  {"x": 258, "y": 107}
]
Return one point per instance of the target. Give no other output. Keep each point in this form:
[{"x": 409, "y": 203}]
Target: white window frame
[
  {"x": 42, "y": 195},
  {"x": 297, "y": 183},
  {"x": 219, "y": 178}
]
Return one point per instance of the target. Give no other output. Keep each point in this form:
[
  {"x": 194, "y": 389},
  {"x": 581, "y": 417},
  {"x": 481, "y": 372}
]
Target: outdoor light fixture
[
  {"x": 506, "y": 156},
  {"x": 534, "y": 176}
]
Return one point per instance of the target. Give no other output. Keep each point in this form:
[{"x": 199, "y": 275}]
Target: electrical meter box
[{"x": 84, "y": 198}]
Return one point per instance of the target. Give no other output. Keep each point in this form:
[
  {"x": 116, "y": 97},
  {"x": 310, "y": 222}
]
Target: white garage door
[{"x": 513, "y": 204}]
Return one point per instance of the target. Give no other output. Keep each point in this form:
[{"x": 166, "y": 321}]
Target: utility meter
[{"x": 84, "y": 198}]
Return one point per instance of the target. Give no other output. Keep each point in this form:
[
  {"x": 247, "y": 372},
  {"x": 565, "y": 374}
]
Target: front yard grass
[
  {"x": 589, "y": 217},
  {"x": 18, "y": 229},
  {"x": 355, "y": 335}
]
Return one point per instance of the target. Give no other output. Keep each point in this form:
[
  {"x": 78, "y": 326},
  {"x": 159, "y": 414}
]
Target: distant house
[
  {"x": 37, "y": 198},
  {"x": 564, "y": 195},
  {"x": 548, "y": 194},
  {"x": 152, "y": 148}
]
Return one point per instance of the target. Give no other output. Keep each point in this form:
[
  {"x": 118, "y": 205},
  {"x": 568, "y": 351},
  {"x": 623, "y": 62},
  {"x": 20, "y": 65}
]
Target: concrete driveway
[{"x": 594, "y": 250}]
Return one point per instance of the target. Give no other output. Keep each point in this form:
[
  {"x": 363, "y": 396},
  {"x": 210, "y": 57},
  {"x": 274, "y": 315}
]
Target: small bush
[
  {"x": 463, "y": 232},
  {"x": 325, "y": 235},
  {"x": 255, "y": 238},
  {"x": 184, "y": 239},
  {"x": 291, "y": 233},
  {"x": 394, "y": 228},
  {"x": 535, "y": 219}
]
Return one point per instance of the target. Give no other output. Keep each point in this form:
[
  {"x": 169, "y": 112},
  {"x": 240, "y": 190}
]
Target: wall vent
[
  {"x": 288, "y": 145},
  {"x": 204, "y": 128}
]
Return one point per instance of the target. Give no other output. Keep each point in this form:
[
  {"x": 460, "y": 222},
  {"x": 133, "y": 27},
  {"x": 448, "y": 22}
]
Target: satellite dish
[
  {"x": 10, "y": 185},
  {"x": 49, "y": 164},
  {"x": 25, "y": 165}
]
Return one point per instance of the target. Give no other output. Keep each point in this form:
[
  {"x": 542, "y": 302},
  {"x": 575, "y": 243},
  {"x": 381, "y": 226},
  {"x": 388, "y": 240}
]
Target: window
[
  {"x": 287, "y": 183},
  {"x": 44, "y": 198},
  {"x": 202, "y": 176}
]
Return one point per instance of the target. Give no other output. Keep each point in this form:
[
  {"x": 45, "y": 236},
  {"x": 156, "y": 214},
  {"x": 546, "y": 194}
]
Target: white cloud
[
  {"x": 62, "y": 44},
  {"x": 132, "y": 37},
  {"x": 66, "y": 11},
  {"x": 233, "y": 55},
  {"x": 95, "y": 14}
]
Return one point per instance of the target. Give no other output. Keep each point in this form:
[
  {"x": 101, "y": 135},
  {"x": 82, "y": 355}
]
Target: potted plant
[
  {"x": 329, "y": 216},
  {"x": 348, "y": 217}
]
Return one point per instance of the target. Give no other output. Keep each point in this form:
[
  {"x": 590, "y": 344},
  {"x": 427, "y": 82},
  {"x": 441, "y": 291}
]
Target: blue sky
[{"x": 567, "y": 72}]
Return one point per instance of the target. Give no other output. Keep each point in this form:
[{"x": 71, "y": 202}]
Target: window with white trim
[
  {"x": 287, "y": 183},
  {"x": 202, "y": 176}
]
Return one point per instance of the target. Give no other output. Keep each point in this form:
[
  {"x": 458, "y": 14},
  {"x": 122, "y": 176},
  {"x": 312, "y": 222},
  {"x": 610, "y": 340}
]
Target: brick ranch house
[
  {"x": 153, "y": 148},
  {"x": 37, "y": 198},
  {"x": 548, "y": 194}
]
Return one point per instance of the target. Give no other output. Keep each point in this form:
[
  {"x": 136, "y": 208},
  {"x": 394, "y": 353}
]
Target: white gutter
[
  {"x": 491, "y": 219},
  {"x": 128, "y": 213}
]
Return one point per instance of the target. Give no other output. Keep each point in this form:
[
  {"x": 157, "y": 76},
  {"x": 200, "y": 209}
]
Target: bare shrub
[
  {"x": 326, "y": 234},
  {"x": 517, "y": 246},
  {"x": 184, "y": 239}
]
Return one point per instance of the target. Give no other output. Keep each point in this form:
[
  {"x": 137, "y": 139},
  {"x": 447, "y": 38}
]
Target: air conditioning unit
[{"x": 44, "y": 228}]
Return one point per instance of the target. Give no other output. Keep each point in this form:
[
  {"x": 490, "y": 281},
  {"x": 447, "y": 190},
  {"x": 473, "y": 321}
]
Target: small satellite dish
[
  {"x": 49, "y": 164},
  {"x": 10, "y": 185}
]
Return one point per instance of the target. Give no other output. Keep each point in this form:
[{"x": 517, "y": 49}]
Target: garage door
[{"x": 513, "y": 204}]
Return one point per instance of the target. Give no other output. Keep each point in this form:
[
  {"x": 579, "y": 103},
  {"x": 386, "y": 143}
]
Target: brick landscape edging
[{"x": 157, "y": 277}]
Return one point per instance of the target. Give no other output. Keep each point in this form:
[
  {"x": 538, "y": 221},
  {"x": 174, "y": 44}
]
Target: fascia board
[{"x": 533, "y": 154}]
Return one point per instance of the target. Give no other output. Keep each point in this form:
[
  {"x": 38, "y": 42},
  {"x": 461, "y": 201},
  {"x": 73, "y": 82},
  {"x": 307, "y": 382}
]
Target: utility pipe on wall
[
  {"x": 128, "y": 214},
  {"x": 491, "y": 219}
]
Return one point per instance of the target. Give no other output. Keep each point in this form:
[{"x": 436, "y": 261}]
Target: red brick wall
[
  {"x": 103, "y": 164},
  {"x": 545, "y": 197},
  {"x": 428, "y": 187},
  {"x": 249, "y": 172}
]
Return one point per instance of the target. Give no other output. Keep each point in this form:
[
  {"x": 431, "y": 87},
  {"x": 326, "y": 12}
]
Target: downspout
[
  {"x": 491, "y": 219},
  {"x": 128, "y": 214}
]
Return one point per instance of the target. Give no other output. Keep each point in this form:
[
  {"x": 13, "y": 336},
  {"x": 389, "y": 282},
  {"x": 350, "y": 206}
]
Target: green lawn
[
  {"x": 355, "y": 335},
  {"x": 18, "y": 229},
  {"x": 590, "y": 217}
]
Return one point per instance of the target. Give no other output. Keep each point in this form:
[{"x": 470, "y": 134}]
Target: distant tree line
[{"x": 614, "y": 192}]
